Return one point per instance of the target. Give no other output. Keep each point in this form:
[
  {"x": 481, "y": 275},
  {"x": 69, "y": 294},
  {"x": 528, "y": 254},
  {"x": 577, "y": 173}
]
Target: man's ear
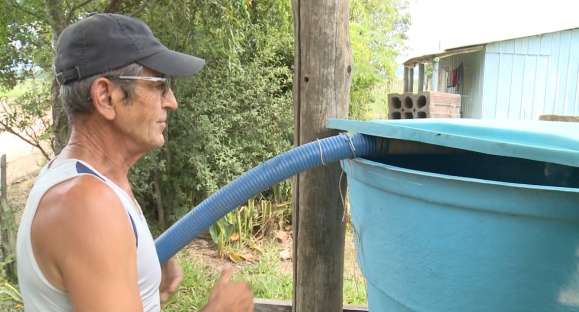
[{"x": 101, "y": 93}]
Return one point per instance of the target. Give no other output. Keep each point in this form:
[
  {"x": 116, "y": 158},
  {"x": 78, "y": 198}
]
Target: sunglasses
[{"x": 164, "y": 83}]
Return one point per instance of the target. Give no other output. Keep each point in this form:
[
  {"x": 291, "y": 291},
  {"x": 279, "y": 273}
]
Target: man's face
[{"x": 144, "y": 118}]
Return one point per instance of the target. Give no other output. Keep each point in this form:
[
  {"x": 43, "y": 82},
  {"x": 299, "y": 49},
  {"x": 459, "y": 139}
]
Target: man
[{"x": 83, "y": 242}]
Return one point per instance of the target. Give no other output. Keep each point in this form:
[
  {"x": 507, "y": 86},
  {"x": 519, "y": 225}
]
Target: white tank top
[{"x": 38, "y": 293}]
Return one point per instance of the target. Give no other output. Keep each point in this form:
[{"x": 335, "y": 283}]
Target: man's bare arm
[{"x": 83, "y": 232}]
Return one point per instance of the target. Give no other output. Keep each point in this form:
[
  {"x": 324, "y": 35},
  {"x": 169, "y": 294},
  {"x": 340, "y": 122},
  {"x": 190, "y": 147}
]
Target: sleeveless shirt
[{"x": 37, "y": 292}]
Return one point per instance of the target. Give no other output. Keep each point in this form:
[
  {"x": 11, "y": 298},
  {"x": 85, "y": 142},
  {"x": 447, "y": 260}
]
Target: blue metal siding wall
[
  {"x": 471, "y": 91},
  {"x": 527, "y": 77}
]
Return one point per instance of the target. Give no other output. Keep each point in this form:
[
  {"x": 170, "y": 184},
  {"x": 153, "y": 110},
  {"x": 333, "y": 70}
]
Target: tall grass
[
  {"x": 10, "y": 297},
  {"x": 267, "y": 278},
  {"x": 254, "y": 221}
]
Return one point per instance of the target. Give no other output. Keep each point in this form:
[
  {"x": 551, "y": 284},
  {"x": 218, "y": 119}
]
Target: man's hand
[
  {"x": 171, "y": 278},
  {"x": 228, "y": 296}
]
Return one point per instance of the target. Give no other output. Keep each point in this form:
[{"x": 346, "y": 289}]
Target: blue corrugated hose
[{"x": 256, "y": 180}]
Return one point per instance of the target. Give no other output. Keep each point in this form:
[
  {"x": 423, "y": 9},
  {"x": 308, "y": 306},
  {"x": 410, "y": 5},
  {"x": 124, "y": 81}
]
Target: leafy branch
[
  {"x": 30, "y": 138},
  {"x": 76, "y": 8},
  {"x": 29, "y": 121},
  {"x": 25, "y": 10},
  {"x": 141, "y": 7}
]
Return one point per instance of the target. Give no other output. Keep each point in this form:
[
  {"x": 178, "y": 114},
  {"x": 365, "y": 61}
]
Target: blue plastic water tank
[{"x": 467, "y": 215}]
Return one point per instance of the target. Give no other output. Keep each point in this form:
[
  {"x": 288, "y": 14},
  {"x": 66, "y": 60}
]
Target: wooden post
[
  {"x": 3, "y": 199},
  {"x": 8, "y": 227},
  {"x": 321, "y": 90},
  {"x": 559, "y": 118},
  {"x": 3, "y": 184},
  {"x": 268, "y": 305}
]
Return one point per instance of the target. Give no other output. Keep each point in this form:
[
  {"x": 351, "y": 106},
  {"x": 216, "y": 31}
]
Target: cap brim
[{"x": 173, "y": 63}]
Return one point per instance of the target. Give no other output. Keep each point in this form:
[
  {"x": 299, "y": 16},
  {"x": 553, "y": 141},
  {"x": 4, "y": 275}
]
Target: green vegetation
[
  {"x": 378, "y": 32},
  {"x": 234, "y": 115},
  {"x": 266, "y": 276},
  {"x": 10, "y": 298},
  {"x": 241, "y": 228}
]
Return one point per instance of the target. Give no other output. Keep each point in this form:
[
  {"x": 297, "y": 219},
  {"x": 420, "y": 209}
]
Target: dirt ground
[
  {"x": 22, "y": 164},
  {"x": 205, "y": 250}
]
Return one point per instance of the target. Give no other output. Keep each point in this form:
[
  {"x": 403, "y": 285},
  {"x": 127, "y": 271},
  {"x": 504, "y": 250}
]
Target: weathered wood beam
[
  {"x": 322, "y": 77},
  {"x": 268, "y": 305},
  {"x": 3, "y": 173},
  {"x": 559, "y": 118}
]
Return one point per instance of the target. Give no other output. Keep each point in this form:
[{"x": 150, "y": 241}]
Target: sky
[{"x": 441, "y": 24}]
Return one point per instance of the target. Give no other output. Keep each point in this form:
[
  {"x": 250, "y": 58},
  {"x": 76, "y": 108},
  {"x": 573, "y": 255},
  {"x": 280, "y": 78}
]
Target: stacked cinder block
[{"x": 423, "y": 105}]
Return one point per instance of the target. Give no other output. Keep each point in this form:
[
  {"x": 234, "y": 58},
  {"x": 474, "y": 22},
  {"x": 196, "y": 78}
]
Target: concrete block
[{"x": 423, "y": 105}]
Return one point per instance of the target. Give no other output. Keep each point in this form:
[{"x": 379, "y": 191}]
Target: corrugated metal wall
[
  {"x": 531, "y": 76},
  {"x": 472, "y": 84}
]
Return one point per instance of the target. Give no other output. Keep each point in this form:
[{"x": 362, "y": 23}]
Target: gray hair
[{"x": 75, "y": 96}]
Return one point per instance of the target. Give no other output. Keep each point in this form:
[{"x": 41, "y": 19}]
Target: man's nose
[{"x": 169, "y": 100}]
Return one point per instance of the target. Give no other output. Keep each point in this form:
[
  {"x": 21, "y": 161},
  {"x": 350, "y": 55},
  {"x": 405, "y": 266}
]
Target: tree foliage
[
  {"x": 377, "y": 32},
  {"x": 28, "y": 33},
  {"x": 26, "y": 115},
  {"x": 236, "y": 113}
]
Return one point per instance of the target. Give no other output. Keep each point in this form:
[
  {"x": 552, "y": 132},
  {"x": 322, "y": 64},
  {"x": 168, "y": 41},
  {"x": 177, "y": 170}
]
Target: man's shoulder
[
  {"x": 80, "y": 223},
  {"x": 77, "y": 207},
  {"x": 80, "y": 196},
  {"x": 80, "y": 189}
]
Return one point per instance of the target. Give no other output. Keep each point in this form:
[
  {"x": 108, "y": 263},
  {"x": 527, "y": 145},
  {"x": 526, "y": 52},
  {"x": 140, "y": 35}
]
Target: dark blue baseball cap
[{"x": 104, "y": 42}]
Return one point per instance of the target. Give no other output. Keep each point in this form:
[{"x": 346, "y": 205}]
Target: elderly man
[{"x": 83, "y": 242}]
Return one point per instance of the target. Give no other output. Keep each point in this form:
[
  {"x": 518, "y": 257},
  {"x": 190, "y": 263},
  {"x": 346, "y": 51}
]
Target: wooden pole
[
  {"x": 8, "y": 227},
  {"x": 321, "y": 90},
  {"x": 3, "y": 184},
  {"x": 3, "y": 199},
  {"x": 268, "y": 305},
  {"x": 568, "y": 118}
]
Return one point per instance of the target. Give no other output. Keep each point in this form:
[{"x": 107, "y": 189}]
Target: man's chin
[
  {"x": 159, "y": 144},
  {"x": 154, "y": 145}
]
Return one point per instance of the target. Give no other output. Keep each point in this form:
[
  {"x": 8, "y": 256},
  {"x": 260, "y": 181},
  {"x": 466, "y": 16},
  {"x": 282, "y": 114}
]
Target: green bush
[
  {"x": 377, "y": 32},
  {"x": 228, "y": 121},
  {"x": 235, "y": 114}
]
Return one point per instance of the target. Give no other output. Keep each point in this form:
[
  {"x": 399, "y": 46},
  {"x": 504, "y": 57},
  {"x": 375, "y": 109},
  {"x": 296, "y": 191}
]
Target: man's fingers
[
  {"x": 172, "y": 288},
  {"x": 225, "y": 275},
  {"x": 175, "y": 283},
  {"x": 230, "y": 296},
  {"x": 164, "y": 297}
]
